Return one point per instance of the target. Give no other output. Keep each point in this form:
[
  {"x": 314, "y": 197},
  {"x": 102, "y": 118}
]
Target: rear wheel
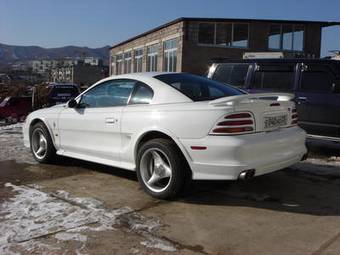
[
  {"x": 41, "y": 144},
  {"x": 161, "y": 168}
]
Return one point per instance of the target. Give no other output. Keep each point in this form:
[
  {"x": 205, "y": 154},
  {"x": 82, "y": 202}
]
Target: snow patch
[
  {"x": 31, "y": 214},
  {"x": 158, "y": 243},
  {"x": 12, "y": 145},
  {"x": 71, "y": 236}
]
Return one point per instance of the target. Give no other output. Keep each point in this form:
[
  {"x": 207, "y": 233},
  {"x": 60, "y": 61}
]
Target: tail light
[
  {"x": 234, "y": 124},
  {"x": 294, "y": 117}
]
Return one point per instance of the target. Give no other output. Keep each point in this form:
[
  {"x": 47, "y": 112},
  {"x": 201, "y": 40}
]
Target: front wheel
[
  {"x": 41, "y": 144},
  {"x": 161, "y": 168}
]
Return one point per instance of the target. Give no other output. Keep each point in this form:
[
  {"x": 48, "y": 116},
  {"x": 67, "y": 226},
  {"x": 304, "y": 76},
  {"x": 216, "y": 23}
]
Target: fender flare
[
  {"x": 167, "y": 133},
  {"x": 37, "y": 119}
]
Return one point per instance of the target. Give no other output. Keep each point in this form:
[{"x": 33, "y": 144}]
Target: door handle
[{"x": 110, "y": 120}]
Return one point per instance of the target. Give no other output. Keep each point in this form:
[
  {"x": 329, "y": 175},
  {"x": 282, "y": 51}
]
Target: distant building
[
  {"x": 82, "y": 75},
  {"x": 48, "y": 68},
  {"x": 43, "y": 67},
  {"x": 189, "y": 44}
]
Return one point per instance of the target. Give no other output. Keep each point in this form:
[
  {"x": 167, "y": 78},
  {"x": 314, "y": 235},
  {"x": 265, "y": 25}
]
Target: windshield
[{"x": 198, "y": 88}]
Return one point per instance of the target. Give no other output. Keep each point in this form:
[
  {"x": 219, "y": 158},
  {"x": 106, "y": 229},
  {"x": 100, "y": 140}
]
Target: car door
[
  {"x": 315, "y": 97},
  {"x": 92, "y": 130}
]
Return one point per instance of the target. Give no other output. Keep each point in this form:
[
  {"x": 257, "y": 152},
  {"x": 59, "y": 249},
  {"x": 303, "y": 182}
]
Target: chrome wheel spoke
[
  {"x": 153, "y": 179},
  {"x": 167, "y": 171},
  {"x": 157, "y": 159},
  {"x": 40, "y": 151},
  {"x": 39, "y": 144},
  {"x": 155, "y": 169}
]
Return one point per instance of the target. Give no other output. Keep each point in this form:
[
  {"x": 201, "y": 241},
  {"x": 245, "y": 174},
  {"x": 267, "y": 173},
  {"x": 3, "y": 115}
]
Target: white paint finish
[{"x": 85, "y": 134}]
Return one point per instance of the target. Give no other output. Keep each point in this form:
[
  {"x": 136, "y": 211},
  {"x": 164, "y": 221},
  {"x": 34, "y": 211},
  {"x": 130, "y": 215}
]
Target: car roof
[
  {"x": 276, "y": 60},
  {"x": 163, "y": 93}
]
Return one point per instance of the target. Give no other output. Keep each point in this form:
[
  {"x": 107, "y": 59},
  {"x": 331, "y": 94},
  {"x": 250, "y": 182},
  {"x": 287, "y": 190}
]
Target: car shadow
[
  {"x": 288, "y": 190},
  {"x": 304, "y": 188}
]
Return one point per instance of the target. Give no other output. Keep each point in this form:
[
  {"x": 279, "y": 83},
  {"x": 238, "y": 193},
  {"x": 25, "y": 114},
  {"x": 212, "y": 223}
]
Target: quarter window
[
  {"x": 108, "y": 94},
  {"x": 274, "y": 78},
  {"x": 170, "y": 55},
  {"x": 142, "y": 94},
  {"x": 152, "y": 58},
  {"x": 138, "y": 63}
]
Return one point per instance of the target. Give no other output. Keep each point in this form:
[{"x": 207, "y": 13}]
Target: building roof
[{"x": 321, "y": 23}]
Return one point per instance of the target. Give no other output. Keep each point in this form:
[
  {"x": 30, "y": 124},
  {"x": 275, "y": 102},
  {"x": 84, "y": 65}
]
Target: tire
[
  {"x": 49, "y": 152},
  {"x": 148, "y": 164}
]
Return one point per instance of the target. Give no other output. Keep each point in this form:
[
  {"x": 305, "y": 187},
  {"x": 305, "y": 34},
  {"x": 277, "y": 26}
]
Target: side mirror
[
  {"x": 336, "y": 87},
  {"x": 72, "y": 103}
]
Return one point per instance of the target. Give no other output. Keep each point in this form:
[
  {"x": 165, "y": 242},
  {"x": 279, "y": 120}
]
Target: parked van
[{"x": 315, "y": 83}]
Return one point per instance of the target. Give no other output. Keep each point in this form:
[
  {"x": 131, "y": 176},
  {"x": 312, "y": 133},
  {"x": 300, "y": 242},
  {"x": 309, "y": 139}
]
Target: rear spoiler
[{"x": 247, "y": 98}]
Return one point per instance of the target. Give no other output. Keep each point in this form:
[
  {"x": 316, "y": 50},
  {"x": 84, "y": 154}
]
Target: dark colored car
[
  {"x": 315, "y": 83},
  {"x": 53, "y": 93},
  {"x": 13, "y": 109},
  {"x": 61, "y": 93}
]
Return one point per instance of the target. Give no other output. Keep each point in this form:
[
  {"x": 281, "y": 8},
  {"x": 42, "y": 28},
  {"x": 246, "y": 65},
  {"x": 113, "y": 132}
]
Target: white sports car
[{"x": 170, "y": 127}]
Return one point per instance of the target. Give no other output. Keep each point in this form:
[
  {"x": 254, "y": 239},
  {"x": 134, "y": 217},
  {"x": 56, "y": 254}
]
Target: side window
[
  {"x": 142, "y": 94},
  {"x": 316, "y": 79},
  {"x": 108, "y": 94},
  {"x": 233, "y": 74},
  {"x": 274, "y": 77}
]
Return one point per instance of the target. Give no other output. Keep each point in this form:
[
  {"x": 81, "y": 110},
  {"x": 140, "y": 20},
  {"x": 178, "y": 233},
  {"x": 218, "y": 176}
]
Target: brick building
[{"x": 189, "y": 44}]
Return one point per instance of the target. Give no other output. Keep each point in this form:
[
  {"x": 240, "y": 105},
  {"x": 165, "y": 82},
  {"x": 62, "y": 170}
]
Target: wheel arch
[
  {"x": 153, "y": 134},
  {"x": 37, "y": 120}
]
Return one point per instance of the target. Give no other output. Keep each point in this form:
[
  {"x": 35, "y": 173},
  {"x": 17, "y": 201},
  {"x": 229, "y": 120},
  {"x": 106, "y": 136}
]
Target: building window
[
  {"x": 240, "y": 35},
  {"x": 138, "y": 63},
  {"x": 170, "y": 55},
  {"x": 206, "y": 33},
  {"x": 286, "y": 37},
  {"x": 152, "y": 52},
  {"x": 224, "y": 34},
  {"x": 274, "y": 38},
  {"x": 119, "y": 64},
  {"x": 127, "y": 62}
]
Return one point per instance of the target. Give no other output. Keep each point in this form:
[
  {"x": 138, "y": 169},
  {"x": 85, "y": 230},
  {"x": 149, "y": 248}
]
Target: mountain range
[{"x": 10, "y": 54}]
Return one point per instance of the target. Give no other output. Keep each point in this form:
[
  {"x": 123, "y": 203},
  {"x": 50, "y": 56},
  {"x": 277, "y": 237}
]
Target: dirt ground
[{"x": 75, "y": 207}]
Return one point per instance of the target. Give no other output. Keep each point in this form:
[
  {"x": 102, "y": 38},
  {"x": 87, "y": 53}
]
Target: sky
[{"x": 96, "y": 23}]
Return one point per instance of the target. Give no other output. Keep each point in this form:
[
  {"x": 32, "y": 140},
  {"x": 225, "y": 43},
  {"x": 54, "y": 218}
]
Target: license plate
[{"x": 275, "y": 121}]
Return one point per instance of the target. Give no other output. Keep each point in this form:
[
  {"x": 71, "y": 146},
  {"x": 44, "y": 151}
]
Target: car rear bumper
[{"x": 225, "y": 157}]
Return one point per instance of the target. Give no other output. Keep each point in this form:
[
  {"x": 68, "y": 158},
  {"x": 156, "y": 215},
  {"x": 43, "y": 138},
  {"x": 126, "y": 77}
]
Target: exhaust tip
[{"x": 246, "y": 174}]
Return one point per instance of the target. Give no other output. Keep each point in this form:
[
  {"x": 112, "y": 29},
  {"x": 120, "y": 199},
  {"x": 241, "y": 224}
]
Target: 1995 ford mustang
[{"x": 170, "y": 127}]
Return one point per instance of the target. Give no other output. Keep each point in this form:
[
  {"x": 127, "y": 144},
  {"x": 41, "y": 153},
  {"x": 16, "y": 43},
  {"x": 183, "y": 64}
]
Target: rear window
[
  {"x": 198, "y": 88},
  {"x": 233, "y": 74}
]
